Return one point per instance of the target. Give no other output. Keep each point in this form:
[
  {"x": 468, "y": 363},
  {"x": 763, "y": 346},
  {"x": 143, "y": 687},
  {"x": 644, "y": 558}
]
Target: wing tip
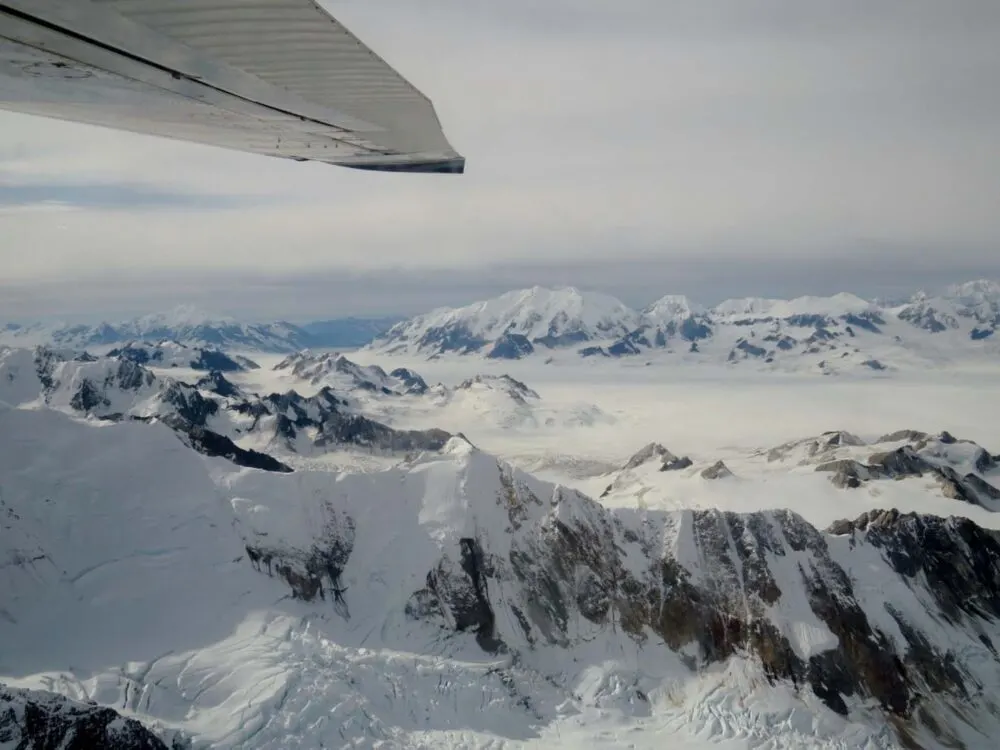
[{"x": 441, "y": 166}]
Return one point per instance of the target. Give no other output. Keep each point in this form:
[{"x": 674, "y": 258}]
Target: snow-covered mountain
[
  {"x": 518, "y": 321},
  {"x": 212, "y": 415},
  {"x": 402, "y": 396},
  {"x": 827, "y": 335},
  {"x": 836, "y": 467},
  {"x": 175, "y": 354},
  {"x": 455, "y": 602},
  {"x": 842, "y": 329},
  {"x": 195, "y": 328},
  {"x": 338, "y": 372}
]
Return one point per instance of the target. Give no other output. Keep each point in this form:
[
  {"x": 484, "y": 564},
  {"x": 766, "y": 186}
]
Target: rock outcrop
[
  {"x": 40, "y": 720},
  {"x": 894, "y": 611},
  {"x": 718, "y": 470}
]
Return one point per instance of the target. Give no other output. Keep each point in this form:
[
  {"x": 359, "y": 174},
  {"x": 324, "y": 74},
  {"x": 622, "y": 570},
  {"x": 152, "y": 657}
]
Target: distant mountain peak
[
  {"x": 183, "y": 316},
  {"x": 672, "y": 306},
  {"x": 547, "y": 317}
]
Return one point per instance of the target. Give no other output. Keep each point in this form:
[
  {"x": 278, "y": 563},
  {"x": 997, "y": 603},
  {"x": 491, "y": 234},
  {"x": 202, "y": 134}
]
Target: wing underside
[{"x": 275, "y": 77}]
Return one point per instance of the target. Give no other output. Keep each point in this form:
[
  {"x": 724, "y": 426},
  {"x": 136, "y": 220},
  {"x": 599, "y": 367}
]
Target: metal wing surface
[{"x": 275, "y": 77}]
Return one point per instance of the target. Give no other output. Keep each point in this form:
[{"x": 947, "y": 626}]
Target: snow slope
[
  {"x": 171, "y": 354},
  {"x": 185, "y": 325},
  {"x": 402, "y": 398},
  {"x": 550, "y": 317},
  {"x": 212, "y": 414},
  {"x": 840, "y": 334},
  {"x": 196, "y": 328},
  {"x": 454, "y": 602}
]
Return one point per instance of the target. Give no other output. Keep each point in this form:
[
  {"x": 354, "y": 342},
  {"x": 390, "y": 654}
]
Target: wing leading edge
[{"x": 276, "y": 77}]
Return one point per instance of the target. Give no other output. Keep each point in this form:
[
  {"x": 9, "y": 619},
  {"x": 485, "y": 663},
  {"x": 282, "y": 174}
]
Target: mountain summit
[{"x": 546, "y": 317}]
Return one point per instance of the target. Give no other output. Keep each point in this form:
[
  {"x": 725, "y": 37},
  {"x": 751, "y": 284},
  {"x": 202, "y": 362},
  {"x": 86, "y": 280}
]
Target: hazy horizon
[
  {"x": 250, "y": 313},
  {"x": 639, "y": 147}
]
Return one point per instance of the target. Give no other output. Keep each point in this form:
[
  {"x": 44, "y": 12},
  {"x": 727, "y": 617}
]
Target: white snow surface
[
  {"x": 535, "y": 313},
  {"x": 670, "y": 307},
  {"x": 128, "y": 584},
  {"x": 185, "y": 324},
  {"x": 835, "y": 306},
  {"x": 124, "y": 582}
]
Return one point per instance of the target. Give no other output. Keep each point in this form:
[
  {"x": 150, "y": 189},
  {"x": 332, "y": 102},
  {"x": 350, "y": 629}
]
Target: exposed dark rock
[
  {"x": 917, "y": 459},
  {"x": 568, "y": 338},
  {"x": 647, "y": 453},
  {"x": 873, "y": 364},
  {"x": 412, "y": 382},
  {"x": 820, "y": 335},
  {"x": 809, "y": 320},
  {"x": 695, "y": 329},
  {"x": 572, "y": 565},
  {"x": 744, "y": 349},
  {"x": 517, "y": 390},
  {"x": 718, "y": 470},
  {"x": 40, "y": 720},
  {"x": 847, "y": 473},
  {"x": 216, "y": 382},
  {"x": 315, "y": 572},
  {"x": 193, "y": 408},
  {"x": 925, "y": 317},
  {"x": 354, "y": 429},
  {"x": 511, "y": 346},
  {"x": 210, "y": 359},
  {"x": 144, "y": 353},
  {"x": 908, "y": 435},
  {"x": 676, "y": 464},
  {"x": 868, "y": 321},
  {"x": 593, "y": 351},
  {"x": 827, "y": 442},
  {"x": 452, "y": 339},
  {"x": 785, "y": 343},
  {"x": 984, "y": 462},
  {"x": 902, "y": 462},
  {"x": 463, "y": 591},
  {"x": 213, "y": 444},
  {"x": 88, "y": 398},
  {"x": 623, "y": 348}
]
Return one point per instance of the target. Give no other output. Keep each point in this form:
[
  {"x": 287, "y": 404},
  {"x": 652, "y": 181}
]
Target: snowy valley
[{"x": 475, "y": 532}]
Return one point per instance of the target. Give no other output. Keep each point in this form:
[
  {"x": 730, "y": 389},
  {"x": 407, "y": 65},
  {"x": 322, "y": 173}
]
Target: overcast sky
[{"x": 642, "y": 147}]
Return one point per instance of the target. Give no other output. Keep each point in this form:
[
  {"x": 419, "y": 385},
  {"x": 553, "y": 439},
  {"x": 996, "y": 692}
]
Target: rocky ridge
[
  {"x": 552, "y": 568},
  {"x": 212, "y": 416}
]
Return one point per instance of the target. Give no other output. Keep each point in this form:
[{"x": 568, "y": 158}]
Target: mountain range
[
  {"x": 845, "y": 330},
  {"x": 189, "y": 326},
  {"x": 201, "y": 550},
  {"x": 453, "y": 599},
  {"x": 833, "y": 333}
]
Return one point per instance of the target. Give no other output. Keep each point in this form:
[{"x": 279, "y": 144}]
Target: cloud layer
[{"x": 642, "y": 144}]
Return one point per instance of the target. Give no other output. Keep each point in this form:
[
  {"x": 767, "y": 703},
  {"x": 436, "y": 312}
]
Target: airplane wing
[{"x": 275, "y": 77}]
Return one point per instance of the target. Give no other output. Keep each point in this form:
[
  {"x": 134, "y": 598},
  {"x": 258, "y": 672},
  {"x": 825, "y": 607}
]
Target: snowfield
[
  {"x": 140, "y": 596},
  {"x": 663, "y": 550}
]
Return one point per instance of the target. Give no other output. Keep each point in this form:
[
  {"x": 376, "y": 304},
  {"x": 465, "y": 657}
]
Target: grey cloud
[
  {"x": 115, "y": 196},
  {"x": 870, "y": 271},
  {"x": 714, "y": 148}
]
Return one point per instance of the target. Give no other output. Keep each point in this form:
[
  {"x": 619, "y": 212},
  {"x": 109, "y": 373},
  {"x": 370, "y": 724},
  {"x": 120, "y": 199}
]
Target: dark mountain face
[
  {"x": 896, "y": 611},
  {"x": 211, "y": 416},
  {"x": 39, "y": 720},
  {"x": 173, "y": 354},
  {"x": 511, "y": 346}
]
